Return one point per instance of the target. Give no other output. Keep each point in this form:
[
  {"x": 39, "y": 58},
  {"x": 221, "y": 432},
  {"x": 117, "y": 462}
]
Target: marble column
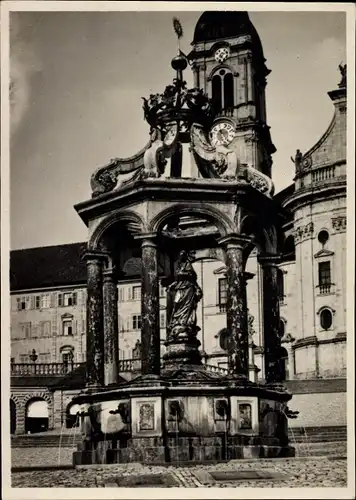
[
  {"x": 150, "y": 328},
  {"x": 95, "y": 320},
  {"x": 168, "y": 280},
  {"x": 271, "y": 317},
  {"x": 250, "y": 83},
  {"x": 196, "y": 70},
  {"x": 111, "y": 333},
  {"x": 236, "y": 310}
]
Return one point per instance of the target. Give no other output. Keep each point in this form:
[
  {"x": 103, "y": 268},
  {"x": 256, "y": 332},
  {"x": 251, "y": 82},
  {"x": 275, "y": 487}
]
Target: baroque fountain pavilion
[{"x": 176, "y": 410}]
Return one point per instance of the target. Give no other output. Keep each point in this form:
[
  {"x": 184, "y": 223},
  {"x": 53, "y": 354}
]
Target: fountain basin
[{"x": 184, "y": 415}]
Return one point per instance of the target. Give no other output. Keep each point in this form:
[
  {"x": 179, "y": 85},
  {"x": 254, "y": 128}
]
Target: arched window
[
  {"x": 216, "y": 93},
  {"x": 36, "y": 419},
  {"x": 228, "y": 91},
  {"x": 223, "y": 90},
  {"x": 326, "y": 319},
  {"x": 289, "y": 248},
  {"x": 280, "y": 285},
  {"x": 67, "y": 354},
  {"x": 282, "y": 328},
  {"x": 283, "y": 365},
  {"x": 72, "y": 417}
]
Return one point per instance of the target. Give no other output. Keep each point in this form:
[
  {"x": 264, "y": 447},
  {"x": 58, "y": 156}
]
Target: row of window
[
  {"x": 324, "y": 284},
  {"x": 67, "y": 299},
  {"x": 134, "y": 292},
  {"x": 46, "y": 301},
  {"x": 135, "y": 322},
  {"x": 325, "y": 321},
  {"x": 67, "y": 357},
  {"x": 43, "y": 329}
]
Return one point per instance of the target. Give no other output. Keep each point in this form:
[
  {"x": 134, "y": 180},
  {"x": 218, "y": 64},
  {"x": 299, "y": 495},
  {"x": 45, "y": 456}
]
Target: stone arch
[
  {"x": 223, "y": 224},
  {"x": 128, "y": 216},
  {"x": 37, "y": 395},
  {"x": 20, "y": 412},
  {"x": 217, "y": 68},
  {"x": 72, "y": 419},
  {"x": 12, "y": 416}
]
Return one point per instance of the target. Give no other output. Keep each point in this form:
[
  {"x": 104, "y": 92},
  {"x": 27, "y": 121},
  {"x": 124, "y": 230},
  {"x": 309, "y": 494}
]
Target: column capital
[
  {"x": 96, "y": 255},
  {"x": 235, "y": 241},
  {"x": 269, "y": 259},
  {"x": 147, "y": 239},
  {"x": 109, "y": 274}
]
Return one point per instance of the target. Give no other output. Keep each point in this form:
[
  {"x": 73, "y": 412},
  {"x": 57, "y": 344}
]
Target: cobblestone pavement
[
  {"x": 309, "y": 472},
  {"x": 23, "y": 457}
]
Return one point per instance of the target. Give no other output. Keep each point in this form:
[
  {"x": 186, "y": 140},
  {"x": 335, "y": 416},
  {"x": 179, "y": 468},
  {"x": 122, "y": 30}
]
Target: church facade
[{"x": 48, "y": 285}]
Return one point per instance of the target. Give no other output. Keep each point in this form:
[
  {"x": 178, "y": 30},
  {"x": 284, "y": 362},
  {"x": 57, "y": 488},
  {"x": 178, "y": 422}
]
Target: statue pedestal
[{"x": 184, "y": 350}]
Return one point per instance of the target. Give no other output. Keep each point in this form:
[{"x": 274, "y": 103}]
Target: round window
[
  {"x": 222, "y": 72},
  {"x": 323, "y": 237},
  {"x": 224, "y": 340},
  {"x": 326, "y": 319}
]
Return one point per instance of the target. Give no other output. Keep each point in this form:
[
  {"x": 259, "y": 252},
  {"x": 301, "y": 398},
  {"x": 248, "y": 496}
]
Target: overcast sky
[{"x": 78, "y": 82}]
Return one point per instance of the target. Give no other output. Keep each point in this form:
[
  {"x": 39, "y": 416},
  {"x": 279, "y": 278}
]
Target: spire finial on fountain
[{"x": 179, "y": 62}]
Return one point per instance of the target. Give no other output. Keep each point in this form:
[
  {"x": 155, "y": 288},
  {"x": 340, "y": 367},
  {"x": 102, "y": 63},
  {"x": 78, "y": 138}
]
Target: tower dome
[{"x": 214, "y": 25}]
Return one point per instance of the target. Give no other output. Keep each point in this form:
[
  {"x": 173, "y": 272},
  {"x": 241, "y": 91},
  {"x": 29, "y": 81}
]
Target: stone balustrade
[
  {"x": 60, "y": 369},
  {"x": 42, "y": 369}
]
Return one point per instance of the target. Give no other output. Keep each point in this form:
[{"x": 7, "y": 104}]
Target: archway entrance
[
  {"x": 36, "y": 416},
  {"x": 72, "y": 419},
  {"x": 12, "y": 417}
]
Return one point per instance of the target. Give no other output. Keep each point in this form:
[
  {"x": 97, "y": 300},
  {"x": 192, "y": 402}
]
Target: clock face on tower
[
  {"x": 222, "y": 54},
  {"x": 222, "y": 134}
]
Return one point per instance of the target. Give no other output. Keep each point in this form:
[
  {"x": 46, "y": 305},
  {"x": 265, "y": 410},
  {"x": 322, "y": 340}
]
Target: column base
[{"x": 184, "y": 350}]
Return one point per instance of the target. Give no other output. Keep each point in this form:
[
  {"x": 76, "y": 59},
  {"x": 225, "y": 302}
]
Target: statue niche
[{"x": 187, "y": 294}]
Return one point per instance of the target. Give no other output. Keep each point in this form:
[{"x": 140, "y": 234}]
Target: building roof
[
  {"x": 215, "y": 25},
  {"x": 51, "y": 266},
  {"x": 282, "y": 195},
  {"x": 59, "y": 265}
]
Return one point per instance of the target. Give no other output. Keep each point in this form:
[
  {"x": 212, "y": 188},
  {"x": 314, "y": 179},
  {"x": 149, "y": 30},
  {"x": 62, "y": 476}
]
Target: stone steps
[
  {"x": 318, "y": 434},
  {"x": 51, "y": 441},
  {"x": 337, "y": 448}
]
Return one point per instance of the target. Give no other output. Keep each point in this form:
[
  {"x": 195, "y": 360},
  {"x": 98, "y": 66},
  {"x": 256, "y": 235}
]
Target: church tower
[{"x": 228, "y": 64}]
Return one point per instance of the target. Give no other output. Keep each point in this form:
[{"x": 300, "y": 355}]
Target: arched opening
[
  {"x": 280, "y": 285},
  {"x": 228, "y": 91},
  {"x": 216, "y": 93},
  {"x": 223, "y": 90},
  {"x": 284, "y": 364},
  {"x": 67, "y": 354},
  {"x": 282, "y": 328},
  {"x": 289, "y": 249},
  {"x": 36, "y": 419},
  {"x": 12, "y": 417},
  {"x": 72, "y": 419}
]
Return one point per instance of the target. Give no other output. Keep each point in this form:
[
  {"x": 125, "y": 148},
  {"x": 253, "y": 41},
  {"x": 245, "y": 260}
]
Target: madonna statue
[{"x": 187, "y": 294}]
